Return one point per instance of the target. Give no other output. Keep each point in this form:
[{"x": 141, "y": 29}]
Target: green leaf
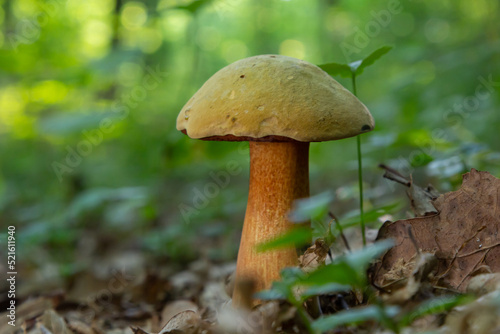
[
  {"x": 434, "y": 306},
  {"x": 353, "y": 316},
  {"x": 337, "y": 69},
  {"x": 357, "y": 67},
  {"x": 370, "y": 216},
  {"x": 337, "y": 272},
  {"x": 282, "y": 289},
  {"x": 348, "y": 269},
  {"x": 292, "y": 274},
  {"x": 194, "y": 6},
  {"x": 360, "y": 260},
  {"x": 420, "y": 159},
  {"x": 73, "y": 122},
  {"x": 324, "y": 289},
  {"x": 297, "y": 237},
  {"x": 96, "y": 198},
  {"x": 312, "y": 208},
  {"x": 271, "y": 294}
]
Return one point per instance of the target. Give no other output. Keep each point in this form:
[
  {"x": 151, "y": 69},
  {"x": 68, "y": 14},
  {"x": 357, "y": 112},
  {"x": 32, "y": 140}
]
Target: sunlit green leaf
[
  {"x": 335, "y": 69},
  {"x": 420, "y": 159},
  {"x": 358, "y": 66},
  {"x": 355, "y": 65},
  {"x": 194, "y": 6}
]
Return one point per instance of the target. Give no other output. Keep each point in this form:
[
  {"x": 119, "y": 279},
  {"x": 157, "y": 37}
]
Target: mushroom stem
[{"x": 279, "y": 174}]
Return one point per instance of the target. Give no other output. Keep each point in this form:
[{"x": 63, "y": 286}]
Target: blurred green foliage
[
  {"x": 348, "y": 273},
  {"x": 90, "y": 91}
]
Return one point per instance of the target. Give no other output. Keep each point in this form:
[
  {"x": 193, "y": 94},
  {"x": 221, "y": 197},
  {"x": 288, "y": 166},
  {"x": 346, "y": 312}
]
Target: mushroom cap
[{"x": 273, "y": 98}]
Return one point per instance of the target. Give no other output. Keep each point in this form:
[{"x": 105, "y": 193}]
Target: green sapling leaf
[
  {"x": 357, "y": 67},
  {"x": 336, "y": 69}
]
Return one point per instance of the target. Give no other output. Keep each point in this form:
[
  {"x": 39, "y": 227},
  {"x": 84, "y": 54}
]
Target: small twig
[
  {"x": 394, "y": 175},
  {"x": 343, "y": 303},
  {"x": 339, "y": 227},
  {"x": 330, "y": 255}
]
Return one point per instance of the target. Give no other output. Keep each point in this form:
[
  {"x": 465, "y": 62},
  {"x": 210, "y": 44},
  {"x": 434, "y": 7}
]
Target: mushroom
[{"x": 279, "y": 104}]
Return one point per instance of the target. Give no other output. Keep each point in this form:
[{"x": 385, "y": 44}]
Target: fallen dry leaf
[
  {"x": 405, "y": 280},
  {"x": 187, "y": 284},
  {"x": 188, "y": 322},
  {"x": 138, "y": 330},
  {"x": 176, "y": 307},
  {"x": 420, "y": 199},
  {"x": 212, "y": 298},
  {"x": 26, "y": 311},
  {"x": 463, "y": 235},
  {"x": 52, "y": 323},
  {"x": 484, "y": 283},
  {"x": 478, "y": 317},
  {"x": 78, "y": 326},
  {"x": 314, "y": 256},
  {"x": 265, "y": 318}
]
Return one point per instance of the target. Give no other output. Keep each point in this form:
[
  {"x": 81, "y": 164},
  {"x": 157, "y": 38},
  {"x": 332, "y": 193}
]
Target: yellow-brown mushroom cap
[{"x": 273, "y": 97}]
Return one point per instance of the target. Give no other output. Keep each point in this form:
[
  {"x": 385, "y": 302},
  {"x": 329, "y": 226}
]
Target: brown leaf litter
[
  {"x": 421, "y": 199},
  {"x": 463, "y": 235}
]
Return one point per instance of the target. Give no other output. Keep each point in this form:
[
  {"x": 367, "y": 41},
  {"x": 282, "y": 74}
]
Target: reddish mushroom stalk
[{"x": 279, "y": 174}]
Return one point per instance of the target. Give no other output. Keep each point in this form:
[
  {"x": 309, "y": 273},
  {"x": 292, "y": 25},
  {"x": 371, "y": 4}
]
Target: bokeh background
[{"x": 91, "y": 163}]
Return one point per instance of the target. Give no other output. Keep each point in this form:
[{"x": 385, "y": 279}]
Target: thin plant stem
[
  {"x": 339, "y": 228},
  {"x": 353, "y": 77},
  {"x": 360, "y": 180},
  {"x": 360, "y": 173}
]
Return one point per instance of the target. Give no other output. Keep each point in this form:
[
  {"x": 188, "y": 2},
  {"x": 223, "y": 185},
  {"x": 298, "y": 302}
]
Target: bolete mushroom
[{"x": 279, "y": 104}]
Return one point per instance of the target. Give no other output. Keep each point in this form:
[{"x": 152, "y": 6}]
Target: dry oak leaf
[
  {"x": 464, "y": 234},
  {"x": 314, "y": 256}
]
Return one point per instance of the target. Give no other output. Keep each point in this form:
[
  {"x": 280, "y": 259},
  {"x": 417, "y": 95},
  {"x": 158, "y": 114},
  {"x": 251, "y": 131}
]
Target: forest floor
[{"x": 440, "y": 277}]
